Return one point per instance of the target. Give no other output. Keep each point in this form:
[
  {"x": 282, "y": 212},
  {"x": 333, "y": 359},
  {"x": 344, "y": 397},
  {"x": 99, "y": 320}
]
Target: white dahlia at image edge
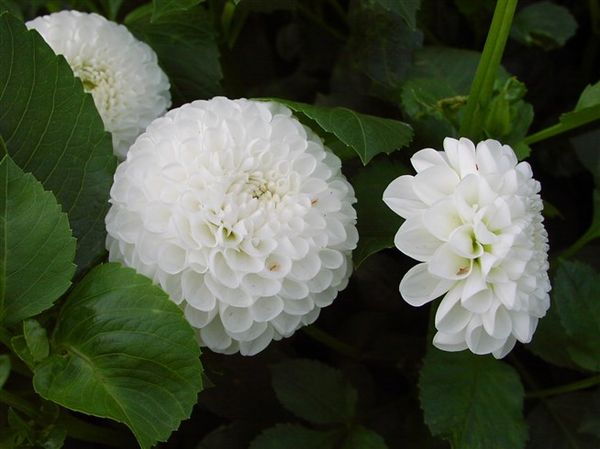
[
  {"x": 120, "y": 72},
  {"x": 474, "y": 221},
  {"x": 242, "y": 216}
]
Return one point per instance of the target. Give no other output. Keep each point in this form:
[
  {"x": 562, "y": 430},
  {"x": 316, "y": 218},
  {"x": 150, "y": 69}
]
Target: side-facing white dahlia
[
  {"x": 122, "y": 73},
  {"x": 474, "y": 221},
  {"x": 241, "y": 214}
]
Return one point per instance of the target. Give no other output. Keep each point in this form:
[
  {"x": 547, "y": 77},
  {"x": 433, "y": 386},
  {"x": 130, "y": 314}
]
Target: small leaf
[
  {"x": 366, "y": 134},
  {"x": 407, "y": 9},
  {"x": 162, "y": 7},
  {"x": 187, "y": 49},
  {"x": 4, "y": 369},
  {"x": 576, "y": 288},
  {"x": 293, "y": 436},
  {"x": 36, "y": 247},
  {"x": 52, "y": 129},
  {"x": 19, "y": 347},
  {"x": 377, "y": 224},
  {"x": 473, "y": 401},
  {"x": 36, "y": 339},
  {"x": 361, "y": 438},
  {"x": 544, "y": 24},
  {"x": 122, "y": 350},
  {"x": 314, "y": 391}
]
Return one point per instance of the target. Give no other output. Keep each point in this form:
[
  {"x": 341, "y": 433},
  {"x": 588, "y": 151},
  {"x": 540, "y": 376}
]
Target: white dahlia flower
[
  {"x": 473, "y": 220},
  {"x": 122, "y": 74},
  {"x": 239, "y": 212}
]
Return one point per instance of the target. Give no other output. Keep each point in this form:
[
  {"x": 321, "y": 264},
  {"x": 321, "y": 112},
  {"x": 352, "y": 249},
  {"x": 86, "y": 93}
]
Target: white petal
[
  {"x": 497, "y": 322},
  {"x": 446, "y": 264},
  {"x": 419, "y": 286},
  {"x": 400, "y": 197},
  {"x": 195, "y": 291},
  {"x": 461, "y": 155},
  {"x": 505, "y": 349},
  {"x": 214, "y": 336},
  {"x": 451, "y": 317},
  {"x": 435, "y": 183},
  {"x": 463, "y": 242},
  {"x": 255, "y": 346},
  {"x": 265, "y": 309},
  {"x": 414, "y": 240},
  {"x": 479, "y": 341},
  {"x": 236, "y": 319},
  {"x": 442, "y": 219},
  {"x": 428, "y": 157},
  {"x": 450, "y": 342}
]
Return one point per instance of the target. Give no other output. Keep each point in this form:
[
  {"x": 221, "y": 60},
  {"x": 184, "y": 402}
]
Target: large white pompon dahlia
[
  {"x": 241, "y": 214},
  {"x": 474, "y": 221},
  {"x": 120, "y": 72}
]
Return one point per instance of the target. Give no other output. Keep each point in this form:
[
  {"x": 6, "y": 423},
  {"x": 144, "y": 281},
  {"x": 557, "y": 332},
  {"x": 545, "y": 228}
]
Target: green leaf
[
  {"x": 36, "y": 248},
  {"x": 122, "y": 350},
  {"x": 361, "y": 438},
  {"x": 586, "y": 111},
  {"x": 187, "y": 49},
  {"x": 382, "y": 41},
  {"x": 550, "y": 340},
  {"x": 11, "y": 7},
  {"x": 576, "y": 288},
  {"x": 314, "y": 391},
  {"x": 163, "y": 7},
  {"x": 544, "y": 24},
  {"x": 293, "y": 436},
  {"x": 19, "y": 347},
  {"x": 4, "y": 369},
  {"x": 366, "y": 134},
  {"x": 556, "y": 423},
  {"x": 113, "y": 8},
  {"x": 407, "y": 9},
  {"x": 473, "y": 401},
  {"x": 36, "y": 339},
  {"x": 52, "y": 129},
  {"x": 377, "y": 224}
]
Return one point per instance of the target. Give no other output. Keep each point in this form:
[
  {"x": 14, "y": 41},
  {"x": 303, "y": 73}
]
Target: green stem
[
  {"x": 568, "y": 388},
  {"x": 85, "y": 431},
  {"x": 331, "y": 342},
  {"x": 18, "y": 403},
  {"x": 483, "y": 84}
]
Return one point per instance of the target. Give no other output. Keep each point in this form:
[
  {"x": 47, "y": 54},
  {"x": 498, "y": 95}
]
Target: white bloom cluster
[
  {"x": 473, "y": 220},
  {"x": 240, "y": 214},
  {"x": 122, "y": 74}
]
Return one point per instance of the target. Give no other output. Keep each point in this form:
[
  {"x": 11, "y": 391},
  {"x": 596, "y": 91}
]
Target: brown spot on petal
[
  {"x": 462, "y": 270},
  {"x": 274, "y": 267},
  {"x": 313, "y": 202}
]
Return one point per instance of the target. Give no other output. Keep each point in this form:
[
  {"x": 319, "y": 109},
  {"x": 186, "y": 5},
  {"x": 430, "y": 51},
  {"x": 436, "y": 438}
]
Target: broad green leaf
[
  {"x": 122, "y": 350},
  {"x": 186, "y": 45},
  {"x": 20, "y": 348},
  {"x": 162, "y": 7},
  {"x": 314, "y": 391},
  {"x": 473, "y": 401},
  {"x": 544, "y": 24},
  {"x": 36, "y": 339},
  {"x": 4, "y": 369},
  {"x": 366, "y": 134},
  {"x": 52, "y": 129},
  {"x": 575, "y": 289},
  {"x": 377, "y": 223},
  {"x": 11, "y": 7},
  {"x": 293, "y": 436},
  {"x": 407, "y": 9},
  {"x": 556, "y": 423},
  {"x": 36, "y": 248},
  {"x": 550, "y": 341},
  {"x": 361, "y": 438},
  {"x": 382, "y": 41}
]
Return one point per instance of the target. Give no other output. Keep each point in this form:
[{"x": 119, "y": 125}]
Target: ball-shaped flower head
[
  {"x": 241, "y": 214},
  {"x": 120, "y": 72},
  {"x": 473, "y": 220}
]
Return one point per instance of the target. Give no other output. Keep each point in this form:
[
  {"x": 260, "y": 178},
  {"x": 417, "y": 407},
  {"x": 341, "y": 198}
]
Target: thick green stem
[
  {"x": 568, "y": 388},
  {"x": 483, "y": 84}
]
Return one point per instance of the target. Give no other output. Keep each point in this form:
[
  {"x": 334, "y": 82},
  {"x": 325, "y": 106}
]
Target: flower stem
[
  {"x": 483, "y": 84},
  {"x": 331, "y": 342},
  {"x": 562, "y": 389}
]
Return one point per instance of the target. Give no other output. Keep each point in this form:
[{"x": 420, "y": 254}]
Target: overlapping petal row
[
  {"x": 239, "y": 212},
  {"x": 474, "y": 222},
  {"x": 119, "y": 71}
]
